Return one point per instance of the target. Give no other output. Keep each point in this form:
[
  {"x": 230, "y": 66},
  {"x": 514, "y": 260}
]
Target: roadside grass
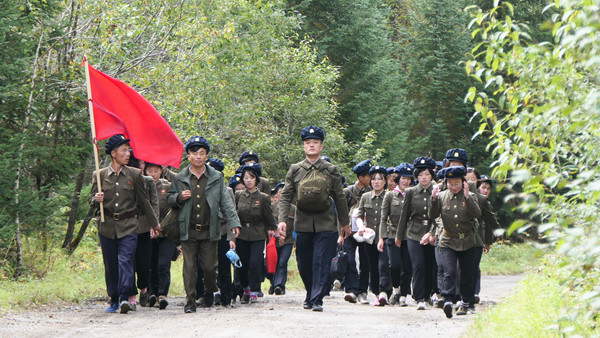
[
  {"x": 506, "y": 258},
  {"x": 538, "y": 308}
]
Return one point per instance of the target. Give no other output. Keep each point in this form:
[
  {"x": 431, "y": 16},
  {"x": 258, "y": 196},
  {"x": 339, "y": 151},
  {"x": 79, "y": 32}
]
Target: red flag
[{"x": 119, "y": 109}]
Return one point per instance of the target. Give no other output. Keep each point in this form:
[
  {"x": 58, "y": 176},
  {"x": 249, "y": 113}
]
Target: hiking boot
[
  {"x": 350, "y": 298},
  {"x": 394, "y": 298},
  {"x": 402, "y": 302},
  {"x": 421, "y": 305},
  {"x": 162, "y": 302},
  {"x": 448, "y": 309}
]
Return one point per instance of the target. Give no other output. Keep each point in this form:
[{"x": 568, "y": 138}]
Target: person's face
[
  {"x": 198, "y": 158},
  {"x": 455, "y": 164},
  {"x": 142, "y": 165},
  {"x": 471, "y": 177},
  {"x": 390, "y": 181},
  {"x": 485, "y": 188},
  {"x": 365, "y": 180},
  {"x": 121, "y": 154},
  {"x": 424, "y": 178},
  {"x": 378, "y": 182},
  {"x": 249, "y": 161},
  {"x": 154, "y": 172},
  {"x": 249, "y": 180},
  {"x": 455, "y": 185},
  {"x": 313, "y": 147},
  {"x": 404, "y": 182},
  {"x": 239, "y": 186}
]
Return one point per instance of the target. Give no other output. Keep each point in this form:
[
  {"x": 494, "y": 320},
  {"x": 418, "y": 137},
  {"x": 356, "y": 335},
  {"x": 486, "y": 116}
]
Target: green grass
[{"x": 505, "y": 258}]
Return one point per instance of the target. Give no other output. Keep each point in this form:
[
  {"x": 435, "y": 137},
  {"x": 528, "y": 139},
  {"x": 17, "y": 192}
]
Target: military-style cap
[
  {"x": 326, "y": 158},
  {"x": 487, "y": 179},
  {"x": 197, "y": 141},
  {"x": 278, "y": 187},
  {"x": 424, "y": 163},
  {"x": 439, "y": 165},
  {"x": 150, "y": 164},
  {"x": 248, "y": 156},
  {"x": 405, "y": 169},
  {"x": 216, "y": 164},
  {"x": 377, "y": 169},
  {"x": 453, "y": 172},
  {"x": 363, "y": 167},
  {"x": 457, "y": 154},
  {"x": 312, "y": 132},
  {"x": 114, "y": 142},
  {"x": 235, "y": 180},
  {"x": 254, "y": 167},
  {"x": 390, "y": 170}
]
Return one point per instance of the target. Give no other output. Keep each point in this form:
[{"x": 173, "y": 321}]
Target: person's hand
[
  {"x": 361, "y": 230},
  {"x": 380, "y": 245},
  {"x": 236, "y": 232},
  {"x": 185, "y": 195},
  {"x": 432, "y": 240},
  {"x": 486, "y": 248},
  {"x": 346, "y": 231},
  {"x": 282, "y": 227},
  {"x": 398, "y": 242},
  {"x": 425, "y": 239},
  {"x": 466, "y": 189},
  {"x": 232, "y": 245},
  {"x": 154, "y": 232},
  {"x": 99, "y": 197},
  {"x": 340, "y": 240},
  {"x": 435, "y": 193}
]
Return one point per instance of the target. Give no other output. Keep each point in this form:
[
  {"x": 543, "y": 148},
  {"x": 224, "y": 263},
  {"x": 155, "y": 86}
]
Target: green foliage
[{"x": 540, "y": 109}]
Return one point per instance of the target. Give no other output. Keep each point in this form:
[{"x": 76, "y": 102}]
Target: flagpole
[{"x": 91, "y": 110}]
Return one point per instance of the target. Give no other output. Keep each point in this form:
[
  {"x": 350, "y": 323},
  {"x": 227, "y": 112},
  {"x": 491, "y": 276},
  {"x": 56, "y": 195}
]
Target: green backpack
[{"x": 313, "y": 192}]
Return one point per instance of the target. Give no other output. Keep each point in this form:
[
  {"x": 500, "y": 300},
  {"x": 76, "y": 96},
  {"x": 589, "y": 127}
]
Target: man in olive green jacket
[{"x": 199, "y": 192}]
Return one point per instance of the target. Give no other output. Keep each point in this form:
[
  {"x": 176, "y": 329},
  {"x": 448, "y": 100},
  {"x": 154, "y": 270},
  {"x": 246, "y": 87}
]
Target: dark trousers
[
  {"x": 283, "y": 256},
  {"x": 251, "y": 256},
  {"x": 423, "y": 259},
  {"x": 405, "y": 288},
  {"x": 119, "y": 256},
  {"x": 206, "y": 251},
  {"x": 224, "y": 272},
  {"x": 160, "y": 267},
  {"x": 466, "y": 261},
  {"x": 439, "y": 277},
  {"x": 355, "y": 283},
  {"x": 314, "y": 252},
  {"x": 372, "y": 266},
  {"x": 478, "y": 254},
  {"x": 394, "y": 255},
  {"x": 385, "y": 281},
  {"x": 143, "y": 258}
]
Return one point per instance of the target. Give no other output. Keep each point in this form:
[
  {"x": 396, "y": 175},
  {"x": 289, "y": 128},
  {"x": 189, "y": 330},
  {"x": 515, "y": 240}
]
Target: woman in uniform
[
  {"x": 256, "y": 217},
  {"x": 284, "y": 245},
  {"x": 399, "y": 260},
  {"x": 368, "y": 216},
  {"x": 418, "y": 228},
  {"x": 459, "y": 210}
]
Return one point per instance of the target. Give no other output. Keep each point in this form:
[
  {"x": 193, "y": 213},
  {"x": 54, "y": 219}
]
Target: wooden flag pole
[{"x": 91, "y": 110}]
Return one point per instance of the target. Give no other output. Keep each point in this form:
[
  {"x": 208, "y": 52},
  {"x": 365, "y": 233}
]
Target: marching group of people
[{"x": 415, "y": 229}]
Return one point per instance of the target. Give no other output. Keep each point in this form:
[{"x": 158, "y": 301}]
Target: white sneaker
[
  {"x": 362, "y": 298},
  {"x": 421, "y": 306},
  {"x": 402, "y": 301},
  {"x": 337, "y": 285}
]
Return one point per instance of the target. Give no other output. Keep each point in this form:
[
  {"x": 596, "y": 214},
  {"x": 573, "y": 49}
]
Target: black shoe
[
  {"x": 271, "y": 290},
  {"x": 144, "y": 299},
  {"x": 462, "y": 310},
  {"x": 209, "y": 299},
  {"x": 279, "y": 291},
  {"x": 440, "y": 303},
  {"x": 217, "y": 299},
  {"x": 162, "y": 302},
  {"x": 125, "y": 306},
  {"x": 317, "y": 308},
  {"x": 307, "y": 305},
  {"x": 477, "y": 299},
  {"x": 200, "y": 302},
  {"x": 448, "y": 309},
  {"x": 189, "y": 309},
  {"x": 151, "y": 300}
]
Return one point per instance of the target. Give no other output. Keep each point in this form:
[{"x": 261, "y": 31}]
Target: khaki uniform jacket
[
  {"x": 391, "y": 210},
  {"x": 224, "y": 224},
  {"x": 217, "y": 197},
  {"x": 256, "y": 215},
  {"x": 143, "y": 226},
  {"x": 162, "y": 187},
  {"x": 459, "y": 216},
  {"x": 369, "y": 209},
  {"x": 289, "y": 222},
  {"x": 487, "y": 221},
  {"x": 123, "y": 193},
  {"x": 415, "y": 220},
  {"x": 311, "y": 221},
  {"x": 264, "y": 185}
]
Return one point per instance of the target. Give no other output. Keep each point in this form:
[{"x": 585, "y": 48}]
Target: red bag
[{"x": 271, "y": 256}]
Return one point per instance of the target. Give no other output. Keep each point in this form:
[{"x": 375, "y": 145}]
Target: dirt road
[{"x": 272, "y": 316}]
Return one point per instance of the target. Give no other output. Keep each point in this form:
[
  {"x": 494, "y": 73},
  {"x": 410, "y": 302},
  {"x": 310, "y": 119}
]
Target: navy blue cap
[
  {"x": 424, "y": 163},
  {"x": 487, "y": 179},
  {"x": 453, "y": 172},
  {"x": 254, "y": 167},
  {"x": 235, "y": 180},
  {"x": 326, "y": 158},
  {"x": 114, "y": 142},
  {"x": 312, "y": 132},
  {"x": 248, "y": 156},
  {"x": 390, "y": 170},
  {"x": 363, "y": 167},
  {"x": 439, "y": 165},
  {"x": 197, "y": 141},
  {"x": 405, "y": 169},
  {"x": 216, "y": 164},
  {"x": 150, "y": 164},
  {"x": 457, "y": 154},
  {"x": 377, "y": 169},
  {"x": 278, "y": 187}
]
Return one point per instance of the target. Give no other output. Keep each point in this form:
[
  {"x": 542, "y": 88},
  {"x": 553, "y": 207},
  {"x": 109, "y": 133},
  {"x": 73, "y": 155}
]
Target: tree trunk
[
  {"x": 74, "y": 208},
  {"x": 82, "y": 230}
]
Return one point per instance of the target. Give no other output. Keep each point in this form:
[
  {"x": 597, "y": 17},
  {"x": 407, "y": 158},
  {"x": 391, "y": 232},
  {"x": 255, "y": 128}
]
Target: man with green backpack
[{"x": 309, "y": 184}]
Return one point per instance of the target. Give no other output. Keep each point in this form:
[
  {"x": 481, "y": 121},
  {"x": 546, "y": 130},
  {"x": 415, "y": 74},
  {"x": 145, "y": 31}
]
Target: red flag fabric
[{"x": 119, "y": 109}]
